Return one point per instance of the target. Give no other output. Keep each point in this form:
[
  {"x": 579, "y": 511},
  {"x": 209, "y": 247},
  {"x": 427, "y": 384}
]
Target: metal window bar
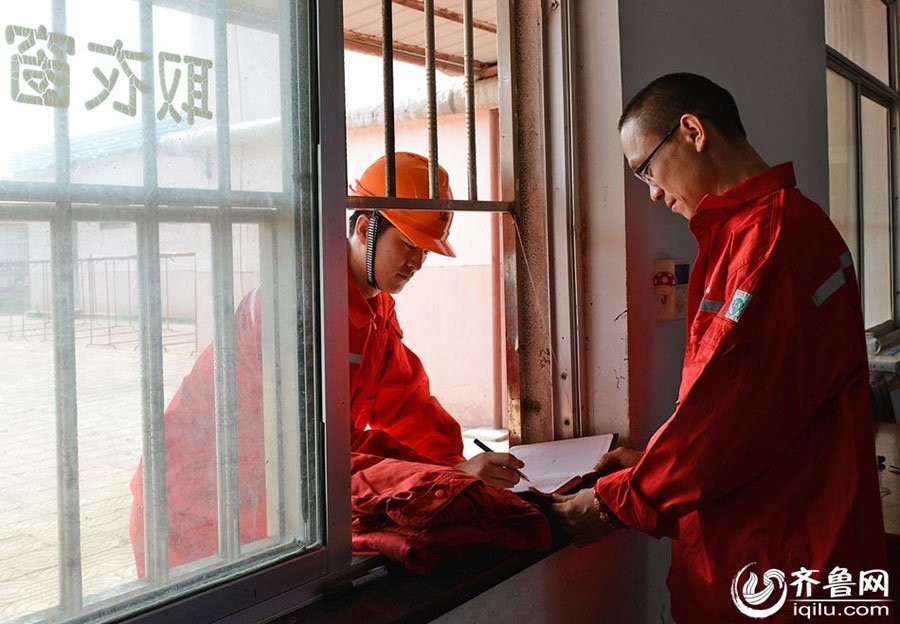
[
  {"x": 387, "y": 51},
  {"x": 62, "y": 255},
  {"x": 431, "y": 95},
  {"x": 469, "y": 23},
  {"x": 468, "y": 54},
  {"x": 223, "y": 304},
  {"x": 156, "y": 537},
  {"x": 48, "y": 192},
  {"x": 506, "y": 156}
]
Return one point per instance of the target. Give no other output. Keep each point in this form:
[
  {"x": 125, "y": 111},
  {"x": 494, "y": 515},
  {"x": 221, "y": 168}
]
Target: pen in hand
[{"x": 486, "y": 448}]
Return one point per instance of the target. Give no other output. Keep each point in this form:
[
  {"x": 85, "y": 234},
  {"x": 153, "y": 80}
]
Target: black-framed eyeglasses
[{"x": 639, "y": 172}]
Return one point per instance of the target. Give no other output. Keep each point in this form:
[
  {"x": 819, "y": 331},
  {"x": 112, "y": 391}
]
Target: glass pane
[
  {"x": 842, "y": 160},
  {"x": 187, "y": 327},
  {"x": 26, "y": 152},
  {"x": 105, "y": 108},
  {"x": 858, "y": 29},
  {"x": 28, "y": 510},
  {"x": 109, "y": 399},
  {"x": 185, "y": 98},
  {"x": 255, "y": 107},
  {"x": 184, "y": 322},
  {"x": 876, "y": 197}
]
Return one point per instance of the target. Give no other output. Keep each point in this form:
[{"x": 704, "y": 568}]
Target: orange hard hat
[{"x": 428, "y": 229}]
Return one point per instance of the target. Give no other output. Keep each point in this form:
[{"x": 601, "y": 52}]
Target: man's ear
[
  {"x": 696, "y": 131},
  {"x": 361, "y": 231}
]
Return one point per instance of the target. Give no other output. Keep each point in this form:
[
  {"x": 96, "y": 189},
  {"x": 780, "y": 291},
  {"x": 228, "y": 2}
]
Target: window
[
  {"x": 448, "y": 293},
  {"x": 159, "y": 228},
  {"x": 862, "y": 107},
  {"x": 170, "y": 174}
]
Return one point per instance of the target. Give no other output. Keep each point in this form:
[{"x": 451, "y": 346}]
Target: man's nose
[
  {"x": 416, "y": 257},
  {"x": 656, "y": 193}
]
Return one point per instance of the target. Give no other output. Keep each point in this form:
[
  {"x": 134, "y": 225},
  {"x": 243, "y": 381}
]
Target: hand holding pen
[
  {"x": 484, "y": 447},
  {"x": 494, "y": 468}
]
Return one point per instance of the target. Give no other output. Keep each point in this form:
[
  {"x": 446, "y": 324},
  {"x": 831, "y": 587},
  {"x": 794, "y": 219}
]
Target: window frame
[{"x": 867, "y": 85}]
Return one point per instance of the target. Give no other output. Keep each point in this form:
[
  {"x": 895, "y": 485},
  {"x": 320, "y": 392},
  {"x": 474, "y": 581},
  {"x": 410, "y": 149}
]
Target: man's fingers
[
  {"x": 499, "y": 476},
  {"x": 618, "y": 459},
  {"x": 505, "y": 459},
  {"x": 608, "y": 462}
]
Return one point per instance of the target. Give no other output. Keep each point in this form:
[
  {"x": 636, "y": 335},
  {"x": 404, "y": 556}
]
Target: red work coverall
[
  {"x": 389, "y": 392},
  {"x": 424, "y": 515},
  {"x": 769, "y": 456}
]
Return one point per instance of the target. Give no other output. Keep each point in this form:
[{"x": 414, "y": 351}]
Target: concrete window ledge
[{"x": 404, "y": 597}]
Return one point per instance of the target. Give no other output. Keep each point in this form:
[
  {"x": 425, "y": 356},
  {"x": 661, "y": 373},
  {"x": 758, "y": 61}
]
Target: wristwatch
[{"x": 607, "y": 516}]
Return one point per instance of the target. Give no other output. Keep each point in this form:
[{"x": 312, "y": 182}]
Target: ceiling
[{"x": 362, "y": 32}]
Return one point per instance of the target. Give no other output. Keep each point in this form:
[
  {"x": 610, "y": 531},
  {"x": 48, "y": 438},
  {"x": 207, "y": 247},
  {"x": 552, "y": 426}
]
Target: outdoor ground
[{"x": 109, "y": 441}]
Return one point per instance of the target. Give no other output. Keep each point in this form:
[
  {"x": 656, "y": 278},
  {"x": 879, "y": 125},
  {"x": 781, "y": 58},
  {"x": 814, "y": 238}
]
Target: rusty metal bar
[
  {"x": 405, "y": 203},
  {"x": 387, "y": 56},
  {"x": 470, "y": 98},
  {"x": 431, "y": 96}
]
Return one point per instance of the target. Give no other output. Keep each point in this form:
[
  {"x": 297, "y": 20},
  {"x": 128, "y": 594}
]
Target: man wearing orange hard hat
[
  {"x": 393, "y": 414},
  {"x": 392, "y": 411}
]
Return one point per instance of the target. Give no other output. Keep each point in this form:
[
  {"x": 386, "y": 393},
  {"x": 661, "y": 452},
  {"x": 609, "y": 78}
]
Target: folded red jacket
[{"x": 423, "y": 515}]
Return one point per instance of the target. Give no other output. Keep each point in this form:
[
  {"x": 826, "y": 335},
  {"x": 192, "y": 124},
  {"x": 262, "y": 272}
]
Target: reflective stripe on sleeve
[
  {"x": 846, "y": 260},
  {"x": 710, "y": 305},
  {"x": 834, "y": 281}
]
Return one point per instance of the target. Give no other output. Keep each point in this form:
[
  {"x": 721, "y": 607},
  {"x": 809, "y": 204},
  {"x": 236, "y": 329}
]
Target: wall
[{"x": 771, "y": 55}]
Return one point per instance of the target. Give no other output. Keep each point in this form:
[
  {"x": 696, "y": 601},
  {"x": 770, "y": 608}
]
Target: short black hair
[
  {"x": 383, "y": 226},
  {"x": 658, "y": 106}
]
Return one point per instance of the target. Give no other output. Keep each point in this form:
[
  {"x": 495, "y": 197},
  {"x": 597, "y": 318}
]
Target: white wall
[{"x": 771, "y": 55}]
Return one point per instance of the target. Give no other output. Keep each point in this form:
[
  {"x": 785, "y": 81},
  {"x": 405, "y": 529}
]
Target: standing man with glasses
[{"x": 768, "y": 461}]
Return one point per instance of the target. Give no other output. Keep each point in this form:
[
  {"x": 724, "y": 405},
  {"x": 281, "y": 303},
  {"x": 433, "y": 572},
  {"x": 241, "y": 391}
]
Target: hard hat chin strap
[{"x": 371, "y": 235}]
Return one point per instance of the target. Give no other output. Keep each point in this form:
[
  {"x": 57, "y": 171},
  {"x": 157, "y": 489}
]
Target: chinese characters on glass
[{"x": 40, "y": 75}]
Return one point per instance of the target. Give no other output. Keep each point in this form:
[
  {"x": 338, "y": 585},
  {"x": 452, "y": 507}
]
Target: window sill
[{"x": 401, "y": 596}]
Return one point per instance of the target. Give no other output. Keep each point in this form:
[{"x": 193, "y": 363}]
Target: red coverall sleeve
[
  {"x": 405, "y": 410},
  {"x": 764, "y": 379}
]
